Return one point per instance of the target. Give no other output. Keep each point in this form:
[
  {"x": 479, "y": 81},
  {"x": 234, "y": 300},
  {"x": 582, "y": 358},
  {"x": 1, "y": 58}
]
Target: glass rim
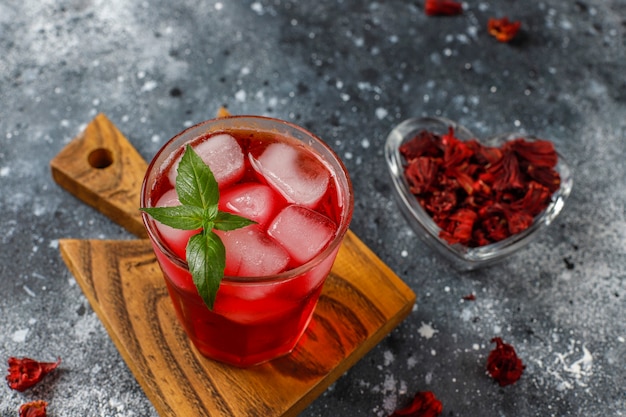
[{"x": 339, "y": 172}]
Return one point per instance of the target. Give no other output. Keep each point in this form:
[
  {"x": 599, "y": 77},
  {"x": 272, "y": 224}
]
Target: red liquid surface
[{"x": 254, "y": 320}]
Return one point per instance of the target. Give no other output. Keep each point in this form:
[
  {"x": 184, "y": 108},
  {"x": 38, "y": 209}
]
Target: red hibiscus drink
[{"x": 299, "y": 194}]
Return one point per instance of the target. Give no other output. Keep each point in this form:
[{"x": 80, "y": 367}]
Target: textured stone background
[{"x": 349, "y": 71}]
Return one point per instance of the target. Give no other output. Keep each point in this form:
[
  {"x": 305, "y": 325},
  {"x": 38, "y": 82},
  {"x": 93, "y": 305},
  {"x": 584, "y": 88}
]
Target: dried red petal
[
  {"x": 34, "y": 409},
  {"x": 440, "y": 202},
  {"x": 545, "y": 176},
  {"x": 424, "y": 143},
  {"x": 456, "y": 152},
  {"x": 421, "y": 173},
  {"x": 26, "y": 372},
  {"x": 540, "y": 153},
  {"x": 460, "y": 228},
  {"x": 484, "y": 155},
  {"x": 503, "y": 364},
  {"x": 506, "y": 172},
  {"x": 495, "y": 227},
  {"x": 469, "y": 297},
  {"x": 503, "y": 29},
  {"x": 536, "y": 199},
  {"x": 518, "y": 221},
  {"x": 424, "y": 404},
  {"x": 442, "y": 8}
]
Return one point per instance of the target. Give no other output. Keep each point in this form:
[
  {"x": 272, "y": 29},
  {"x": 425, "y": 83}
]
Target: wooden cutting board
[{"x": 362, "y": 301}]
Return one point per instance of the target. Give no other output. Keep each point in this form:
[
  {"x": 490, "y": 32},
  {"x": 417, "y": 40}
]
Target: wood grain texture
[
  {"x": 362, "y": 301},
  {"x": 101, "y": 168}
]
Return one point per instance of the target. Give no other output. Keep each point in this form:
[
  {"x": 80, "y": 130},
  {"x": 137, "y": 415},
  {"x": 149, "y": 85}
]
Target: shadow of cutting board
[{"x": 362, "y": 301}]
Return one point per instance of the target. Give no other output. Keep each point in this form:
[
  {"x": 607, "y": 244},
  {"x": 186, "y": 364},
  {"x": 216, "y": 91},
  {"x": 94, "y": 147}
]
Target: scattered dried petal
[
  {"x": 442, "y": 8},
  {"x": 469, "y": 297},
  {"x": 34, "y": 409},
  {"x": 503, "y": 364},
  {"x": 424, "y": 404},
  {"x": 26, "y": 372},
  {"x": 503, "y": 29}
]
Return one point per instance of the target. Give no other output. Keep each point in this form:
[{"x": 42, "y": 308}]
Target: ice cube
[
  {"x": 175, "y": 239},
  {"x": 253, "y": 201},
  {"x": 251, "y": 253},
  {"x": 223, "y": 155},
  {"x": 302, "y": 232},
  {"x": 297, "y": 175}
]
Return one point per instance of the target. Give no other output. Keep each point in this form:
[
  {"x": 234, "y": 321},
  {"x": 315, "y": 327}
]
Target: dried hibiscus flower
[
  {"x": 502, "y": 29},
  {"x": 34, "y": 409},
  {"x": 503, "y": 364},
  {"x": 442, "y": 8},
  {"x": 26, "y": 372},
  {"x": 424, "y": 404},
  {"x": 480, "y": 194}
]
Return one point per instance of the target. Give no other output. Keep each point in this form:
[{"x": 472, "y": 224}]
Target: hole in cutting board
[{"x": 100, "y": 158}]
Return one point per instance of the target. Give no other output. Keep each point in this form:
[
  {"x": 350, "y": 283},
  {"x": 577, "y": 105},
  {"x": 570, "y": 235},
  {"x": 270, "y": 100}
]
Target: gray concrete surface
[{"x": 349, "y": 71}]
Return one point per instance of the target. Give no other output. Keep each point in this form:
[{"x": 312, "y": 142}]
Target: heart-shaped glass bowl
[{"x": 464, "y": 257}]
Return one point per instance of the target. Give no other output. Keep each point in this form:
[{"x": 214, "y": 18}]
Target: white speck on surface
[
  {"x": 345, "y": 97},
  {"x": 411, "y": 362},
  {"x": 155, "y": 138},
  {"x": 446, "y": 288},
  {"x": 428, "y": 378},
  {"x": 476, "y": 346},
  {"x": 38, "y": 276},
  {"x": 32, "y": 321},
  {"x": 149, "y": 86},
  {"x": 621, "y": 339},
  {"x": 257, "y": 7},
  {"x": 571, "y": 373},
  {"x": 29, "y": 291},
  {"x": 426, "y": 330},
  {"x": 466, "y": 315},
  {"x": 5, "y": 171},
  {"x": 381, "y": 113},
  {"x": 19, "y": 336},
  {"x": 240, "y": 95},
  {"x": 433, "y": 352},
  {"x": 96, "y": 369},
  {"x": 219, "y": 6},
  {"x": 404, "y": 253},
  {"x": 389, "y": 357},
  {"x": 365, "y": 143}
]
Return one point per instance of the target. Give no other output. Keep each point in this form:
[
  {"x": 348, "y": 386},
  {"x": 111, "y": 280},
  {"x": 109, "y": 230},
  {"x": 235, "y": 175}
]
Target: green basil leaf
[
  {"x": 178, "y": 217},
  {"x": 206, "y": 257},
  {"x": 198, "y": 193},
  {"x": 227, "y": 221},
  {"x": 195, "y": 183}
]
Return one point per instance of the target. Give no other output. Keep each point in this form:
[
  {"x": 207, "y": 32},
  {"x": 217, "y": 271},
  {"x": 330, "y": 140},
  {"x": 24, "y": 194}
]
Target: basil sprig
[{"x": 199, "y": 195}]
